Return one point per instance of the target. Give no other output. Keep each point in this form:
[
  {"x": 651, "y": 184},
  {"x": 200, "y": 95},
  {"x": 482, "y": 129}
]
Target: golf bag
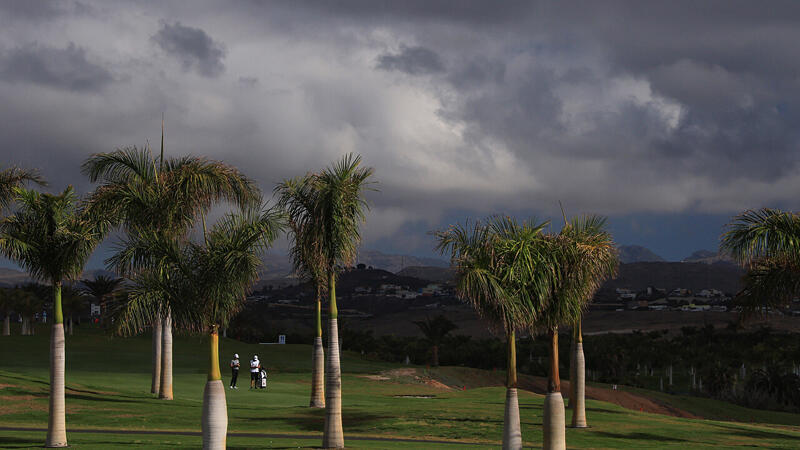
[{"x": 262, "y": 379}]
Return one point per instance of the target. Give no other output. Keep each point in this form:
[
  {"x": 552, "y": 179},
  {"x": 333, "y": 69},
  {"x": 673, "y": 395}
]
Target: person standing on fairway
[
  {"x": 234, "y": 370},
  {"x": 255, "y": 367}
]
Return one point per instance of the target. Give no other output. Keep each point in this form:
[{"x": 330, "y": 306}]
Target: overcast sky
[{"x": 669, "y": 117}]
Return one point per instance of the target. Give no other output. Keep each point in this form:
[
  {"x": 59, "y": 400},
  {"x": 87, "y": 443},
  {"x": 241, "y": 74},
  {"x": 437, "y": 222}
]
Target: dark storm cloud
[
  {"x": 620, "y": 108},
  {"x": 193, "y": 47},
  {"x": 412, "y": 60},
  {"x": 63, "y": 68}
]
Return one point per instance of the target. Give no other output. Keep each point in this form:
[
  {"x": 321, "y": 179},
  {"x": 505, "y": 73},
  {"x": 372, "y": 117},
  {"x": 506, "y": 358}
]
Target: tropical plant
[
  {"x": 28, "y": 302},
  {"x": 205, "y": 285},
  {"x": 52, "y": 237},
  {"x": 296, "y": 198},
  {"x": 502, "y": 269},
  {"x": 14, "y": 177},
  {"x": 767, "y": 243},
  {"x": 337, "y": 209},
  {"x": 144, "y": 194},
  {"x": 101, "y": 289},
  {"x": 585, "y": 257},
  {"x": 435, "y": 330},
  {"x": 73, "y": 301}
]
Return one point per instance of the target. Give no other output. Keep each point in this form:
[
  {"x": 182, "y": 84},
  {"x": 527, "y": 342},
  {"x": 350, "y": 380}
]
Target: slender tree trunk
[
  {"x": 215, "y": 410},
  {"x": 7, "y": 325},
  {"x": 436, "y": 355},
  {"x": 318, "y": 361},
  {"x": 165, "y": 390},
  {"x": 71, "y": 326},
  {"x": 572, "y": 355},
  {"x": 57, "y": 423},
  {"x": 579, "y": 408},
  {"x": 554, "y": 423},
  {"x": 333, "y": 436},
  {"x": 23, "y": 328},
  {"x": 512, "y": 432},
  {"x": 155, "y": 382}
]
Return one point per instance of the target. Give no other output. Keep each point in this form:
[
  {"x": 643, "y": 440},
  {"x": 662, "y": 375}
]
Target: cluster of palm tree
[
  {"x": 324, "y": 212},
  {"x": 173, "y": 277},
  {"x": 519, "y": 277}
]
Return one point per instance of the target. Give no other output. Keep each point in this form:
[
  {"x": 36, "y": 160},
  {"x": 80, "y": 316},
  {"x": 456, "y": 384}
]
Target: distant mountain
[
  {"x": 278, "y": 266},
  {"x": 396, "y": 263},
  {"x": 13, "y": 277},
  {"x": 708, "y": 257},
  {"x": 637, "y": 253}
]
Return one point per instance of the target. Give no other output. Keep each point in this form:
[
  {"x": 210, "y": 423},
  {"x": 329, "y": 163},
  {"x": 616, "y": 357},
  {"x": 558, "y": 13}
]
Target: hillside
[
  {"x": 637, "y": 253},
  {"x": 690, "y": 275},
  {"x": 385, "y": 405},
  {"x": 429, "y": 273}
]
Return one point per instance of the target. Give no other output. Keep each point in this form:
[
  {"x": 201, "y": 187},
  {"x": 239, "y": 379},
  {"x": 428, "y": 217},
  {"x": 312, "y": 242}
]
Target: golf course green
[{"x": 385, "y": 405}]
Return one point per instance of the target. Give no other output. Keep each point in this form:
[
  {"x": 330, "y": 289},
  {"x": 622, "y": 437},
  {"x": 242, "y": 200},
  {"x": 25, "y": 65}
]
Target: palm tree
[
  {"x": 435, "y": 330},
  {"x": 339, "y": 208},
  {"x": 585, "y": 258},
  {"x": 8, "y": 302},
  {"x": 501, "y": 269},
  {"x": 13, "y": 177},
  {"x": 144, "y": 194},
  {"x": 296, "y": 198},
  {"x": 205, "y": 286},
  {"x": 52, "y": 237},
  {"x": 72, "y": 302},
  {"x": 767, "y": 243},
  {"x": 101, "y": 288},
  {"x": 28, "y": 302}
]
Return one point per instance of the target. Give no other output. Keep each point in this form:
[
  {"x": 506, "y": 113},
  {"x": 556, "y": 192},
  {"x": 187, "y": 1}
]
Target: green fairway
[{"x": 108, "y": 385}]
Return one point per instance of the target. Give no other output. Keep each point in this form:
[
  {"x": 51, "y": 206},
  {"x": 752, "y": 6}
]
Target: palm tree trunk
[
  {"x": 165, "y": 390},
  {"x": 318, "y": 361},
  {"x": 7, "y": 325},
  {"x": 333, "y": 436},
  {"x": 435, "y": 355},
  {"x": 512, "y": 433},
  {"x": 572, "y": 375},
  {"x": 155, "y": 383},
  {"x": 215, "y": 410},
  {"x": 57, "y": 423},
  {"x": 579, "y": 408},
  {"x": 554, "y": 423}
]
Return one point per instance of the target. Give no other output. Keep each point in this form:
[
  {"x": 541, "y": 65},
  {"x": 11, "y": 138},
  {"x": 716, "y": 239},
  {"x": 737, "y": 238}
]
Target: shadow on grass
[
  {"x": 639, "y": 436},
  {"x": 92, "y": 398},
  {"x": 316, "y": 422},
  {"x": 12, "y": 442}
]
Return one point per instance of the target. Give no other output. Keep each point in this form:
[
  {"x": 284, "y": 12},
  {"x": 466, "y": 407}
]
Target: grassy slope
[{"x": 108, "y": 387}]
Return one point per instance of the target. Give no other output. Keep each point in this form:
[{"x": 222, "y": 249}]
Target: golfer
[
  {"x": 234, "y": 370},
  {"x": 255, "y": 367}
]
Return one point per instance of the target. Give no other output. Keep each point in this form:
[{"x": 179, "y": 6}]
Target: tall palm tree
[
  {"x": 206, "y": 285},
  {"x": 585, "y": 258},
  {"x": 502, "y": 270},
  {"x": 296, "y": 198},
  {"x": 338, "y": 210},
  {"x": 767, "y": 243},
  {"x": 52, "y": 237},
  {"x": 142, "y": 194},
  {"x": 435, "y": 330},
  {"x": 101, "y": 289}
]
